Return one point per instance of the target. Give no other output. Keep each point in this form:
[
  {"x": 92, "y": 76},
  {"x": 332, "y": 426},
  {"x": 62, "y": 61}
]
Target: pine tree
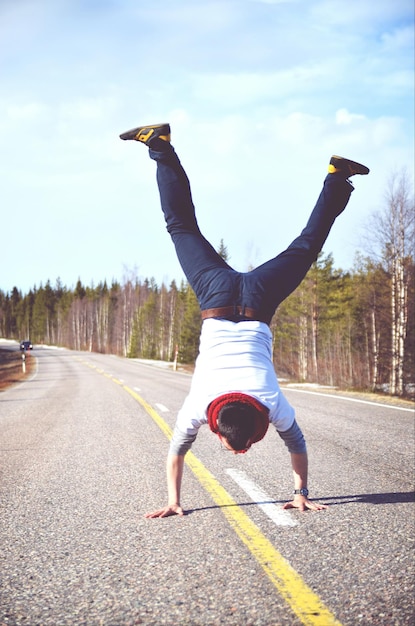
[{"x": 190, "y": 330}]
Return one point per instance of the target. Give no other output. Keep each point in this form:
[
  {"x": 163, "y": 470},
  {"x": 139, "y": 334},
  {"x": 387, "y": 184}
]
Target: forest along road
[{"x": 83, "y": 446}]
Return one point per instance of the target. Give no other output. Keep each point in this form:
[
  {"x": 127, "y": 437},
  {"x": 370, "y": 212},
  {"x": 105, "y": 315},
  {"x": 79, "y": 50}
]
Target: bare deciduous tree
[{"x": 392, "y": 233}]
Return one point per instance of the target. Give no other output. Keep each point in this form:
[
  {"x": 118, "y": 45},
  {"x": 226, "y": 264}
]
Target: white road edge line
[
  {"x": 279, "y": 516},
  {"x": 325, "y": 395},
  {"x": 161, "y": 407}
]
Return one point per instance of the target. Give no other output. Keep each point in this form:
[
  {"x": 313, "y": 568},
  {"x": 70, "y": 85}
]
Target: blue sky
[{"x": 259, "y": 95}]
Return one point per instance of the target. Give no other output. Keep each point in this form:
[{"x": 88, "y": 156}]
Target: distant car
[{"x": 26, "y": 345}]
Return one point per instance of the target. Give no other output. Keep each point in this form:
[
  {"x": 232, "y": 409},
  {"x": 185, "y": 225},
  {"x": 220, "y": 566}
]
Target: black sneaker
[
  {"x": 146, "y": 134},
  {"x": 345, "y": 166}
]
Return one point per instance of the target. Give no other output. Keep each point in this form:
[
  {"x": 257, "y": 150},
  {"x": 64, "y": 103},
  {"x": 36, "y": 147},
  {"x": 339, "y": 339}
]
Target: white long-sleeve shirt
[{"x": 233, "y": 356}]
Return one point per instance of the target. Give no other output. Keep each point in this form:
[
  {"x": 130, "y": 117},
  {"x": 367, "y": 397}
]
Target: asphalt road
[{"x": 83, "y": 459}]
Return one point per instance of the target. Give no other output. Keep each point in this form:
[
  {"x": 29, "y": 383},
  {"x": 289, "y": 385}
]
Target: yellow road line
[{"x": 303, "y": 601}]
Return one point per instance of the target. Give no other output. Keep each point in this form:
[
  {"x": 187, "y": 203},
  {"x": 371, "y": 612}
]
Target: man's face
[{"x": 228, "y": 447}]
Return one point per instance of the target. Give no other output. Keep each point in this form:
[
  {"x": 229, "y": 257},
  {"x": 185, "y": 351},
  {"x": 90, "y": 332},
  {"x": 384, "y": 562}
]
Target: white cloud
[
  {"x": 400, "y": 38},
  {"x": 240, "y": 89},
  {"x": 85, "y": 109},
  {"x": 343, "y": 116},
  {"x": 29, "y": 111}
]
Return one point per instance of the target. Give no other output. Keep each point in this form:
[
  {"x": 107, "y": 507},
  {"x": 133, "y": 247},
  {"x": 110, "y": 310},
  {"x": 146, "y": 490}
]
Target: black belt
[{"x": 234, "y": 314}]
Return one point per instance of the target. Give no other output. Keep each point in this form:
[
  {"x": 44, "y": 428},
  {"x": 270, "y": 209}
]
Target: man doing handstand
[{"x": 234, "y": 386}]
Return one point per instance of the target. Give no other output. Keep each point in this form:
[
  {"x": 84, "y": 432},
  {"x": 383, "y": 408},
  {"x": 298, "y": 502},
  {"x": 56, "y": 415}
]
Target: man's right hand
[{"x": 167, "y": 511}]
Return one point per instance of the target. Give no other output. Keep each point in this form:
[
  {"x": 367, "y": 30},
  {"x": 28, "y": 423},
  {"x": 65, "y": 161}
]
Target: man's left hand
[{"x": 302, "y": 503}]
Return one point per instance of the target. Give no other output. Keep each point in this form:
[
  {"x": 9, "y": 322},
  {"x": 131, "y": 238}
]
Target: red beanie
[{"x": 261, "y": 418}]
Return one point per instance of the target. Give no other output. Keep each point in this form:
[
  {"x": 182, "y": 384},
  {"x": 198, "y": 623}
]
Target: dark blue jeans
[{"x": 214, "y": 282}]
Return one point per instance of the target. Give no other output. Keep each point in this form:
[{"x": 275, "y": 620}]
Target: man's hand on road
[
  {"x": 167, "y": 511},
  {"x": 302, "y": 503}
]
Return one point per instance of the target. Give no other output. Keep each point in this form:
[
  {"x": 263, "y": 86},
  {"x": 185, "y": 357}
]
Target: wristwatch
[{"x": 301, "y": 492}]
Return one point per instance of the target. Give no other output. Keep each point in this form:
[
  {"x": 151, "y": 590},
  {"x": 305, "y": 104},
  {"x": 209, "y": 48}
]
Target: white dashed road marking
[
  {"x": 162, "y": 408},
  {"x": 279, "y": 516}
]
